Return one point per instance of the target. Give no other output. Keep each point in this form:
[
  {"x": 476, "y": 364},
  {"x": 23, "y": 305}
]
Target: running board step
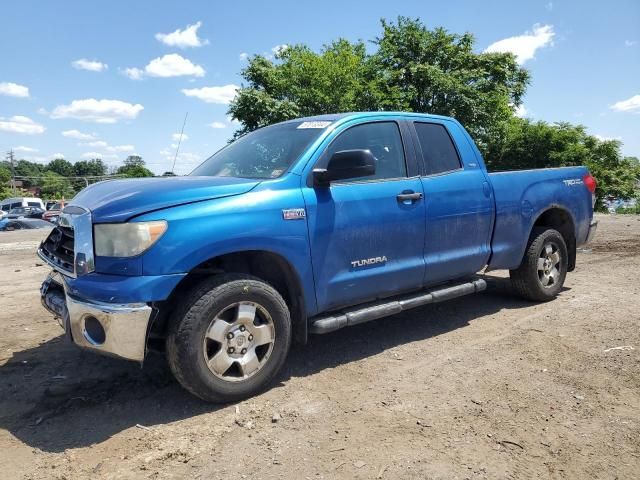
[{"x": 372, "y": 312}]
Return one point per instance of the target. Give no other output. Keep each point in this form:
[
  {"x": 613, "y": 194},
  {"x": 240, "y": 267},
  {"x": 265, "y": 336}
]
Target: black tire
[
  {"x": 189, "y": 324},
  {"x": 527, "y": 280}
]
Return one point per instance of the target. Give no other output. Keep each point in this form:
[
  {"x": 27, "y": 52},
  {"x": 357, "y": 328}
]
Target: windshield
[{"x": 265, "y": 153}]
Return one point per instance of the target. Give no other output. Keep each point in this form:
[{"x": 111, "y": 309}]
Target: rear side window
[
  {"x": 382, "y": 139},
  {"x": 33, "y": 204},
  {"x": 16, "y": 205},
  {"x": 438, "y": 151}
]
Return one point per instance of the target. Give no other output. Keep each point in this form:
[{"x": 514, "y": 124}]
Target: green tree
[
  {"x": 25, "y": 168},
  {"x": 413, "y": 69},
  {"x": 302, "y": 82},
  {"x": 528, "y": 144},
  {"x": 434, "y": 71},
  {"x": 89, "y": 168},
  {"x": 56, "y": 186},
  {"x": 5, "y": 177},
  {"x": 134, "y": 161},
  {"x": 134, "y": 166},
  {"x": 61, "y": 167}
]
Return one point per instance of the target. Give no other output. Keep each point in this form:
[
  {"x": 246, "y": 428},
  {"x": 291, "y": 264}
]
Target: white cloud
[
  {"x": 20, "y": 124},
  {"x": 100, "y": 111},
  {"x": 13, "y": 90},
  {"x": 24, "y": 149},
  {"x": 524, "y": 46},
  {"x": 91, "y": 155},
  {"x": 221, "y": 95},
  {"x": 173, "y": 65},
  {"x": 121, "y": 148},
  {"x": 133, "y": 73},
  {"x": 183, "y": 38},
  {"x": 96, "y": 144},
  {"x": 630, "y": 43},
  {"x": 244, "y": 56},
  {"x": 603, "y": 138},
  {"x": 101, "y": 144},
  {"x": 56, "y": 155},
  {"x": 631, "y": 104},
  {"x": 232, "y": 120},
  {"x": 279, "y": 48},
  {"x": 218, "y": 125},
  {"x": 76, "y": 134},
  {"x": 176, "y": 137},
  {"x": 91, "y": 65},
  {"x": 521, "y": 111}
]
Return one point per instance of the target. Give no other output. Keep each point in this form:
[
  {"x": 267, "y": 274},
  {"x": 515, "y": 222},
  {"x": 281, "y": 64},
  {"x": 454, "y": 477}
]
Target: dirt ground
[{"x": 486, "y": 386}]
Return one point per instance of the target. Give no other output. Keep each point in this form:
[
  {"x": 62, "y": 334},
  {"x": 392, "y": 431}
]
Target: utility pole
[{"x": 13, "y": 171}]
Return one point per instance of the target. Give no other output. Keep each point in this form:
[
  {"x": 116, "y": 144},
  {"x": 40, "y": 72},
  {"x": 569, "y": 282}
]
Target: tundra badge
[{"x": 368, "y": 261}]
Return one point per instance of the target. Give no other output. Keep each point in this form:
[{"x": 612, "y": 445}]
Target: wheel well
[
  {"x": 560, "y": 220},
  {"x": 267, "y": 266}
]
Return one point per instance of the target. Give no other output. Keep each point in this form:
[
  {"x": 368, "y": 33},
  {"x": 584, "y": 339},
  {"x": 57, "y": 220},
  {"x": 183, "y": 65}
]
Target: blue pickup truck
[{"x": 306, "y": 226}]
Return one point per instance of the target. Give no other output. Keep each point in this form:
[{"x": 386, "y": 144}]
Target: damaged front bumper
[{"x": 113, "y": 329}]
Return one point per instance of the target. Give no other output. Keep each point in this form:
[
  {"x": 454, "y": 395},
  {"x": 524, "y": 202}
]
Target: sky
[{"x": 85, "y": 80}]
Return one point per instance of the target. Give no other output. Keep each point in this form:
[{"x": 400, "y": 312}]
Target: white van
[{"x": 9, "y": 203}]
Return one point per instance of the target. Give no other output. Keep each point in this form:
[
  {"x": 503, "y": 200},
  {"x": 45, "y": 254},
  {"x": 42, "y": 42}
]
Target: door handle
[{"x": 409, "y": 196}]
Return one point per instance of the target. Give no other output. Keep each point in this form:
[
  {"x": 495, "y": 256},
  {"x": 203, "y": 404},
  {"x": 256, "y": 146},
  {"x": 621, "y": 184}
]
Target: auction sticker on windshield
[{"x": 314, "y": 124}]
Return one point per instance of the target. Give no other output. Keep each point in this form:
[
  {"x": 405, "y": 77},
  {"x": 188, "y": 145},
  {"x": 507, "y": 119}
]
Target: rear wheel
[
  {"x": 230, "y": 338},
  {"x": 541, "y": 274}
]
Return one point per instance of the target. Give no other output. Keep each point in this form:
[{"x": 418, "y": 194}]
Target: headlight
[{"x": 126, "y": 239}]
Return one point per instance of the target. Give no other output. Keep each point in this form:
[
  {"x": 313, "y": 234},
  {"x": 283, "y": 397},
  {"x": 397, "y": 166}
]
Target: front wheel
[
  {"x": 541, "y": 274},
  {"x": 230, "y": 338}
]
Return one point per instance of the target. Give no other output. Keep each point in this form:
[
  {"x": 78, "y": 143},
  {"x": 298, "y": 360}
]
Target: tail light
[{"x": 591, "y": 184}]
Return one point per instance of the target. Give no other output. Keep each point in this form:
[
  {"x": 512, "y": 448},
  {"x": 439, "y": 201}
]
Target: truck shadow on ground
[{"x": 58, "y": 397}]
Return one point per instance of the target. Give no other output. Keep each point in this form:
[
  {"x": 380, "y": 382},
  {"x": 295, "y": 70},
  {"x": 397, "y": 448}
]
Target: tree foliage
[
  {"x": 134, "y": 166},
  {"x": 89, "y": 168},
  {"x": 54, "y": 185},
  {"x": 61, "y": 166},
  {"x": 413, "y": 69},
  {"x": 528, "y": 144}
]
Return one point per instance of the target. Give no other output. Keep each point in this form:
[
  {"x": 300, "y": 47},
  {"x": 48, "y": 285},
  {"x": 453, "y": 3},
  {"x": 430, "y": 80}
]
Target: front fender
[{"x": 249, "y": 222}]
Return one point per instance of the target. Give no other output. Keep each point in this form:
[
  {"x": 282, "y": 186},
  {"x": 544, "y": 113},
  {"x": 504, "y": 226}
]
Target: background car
[
  {"x": 26, "y": 212},
  {"x": 7, "y": 225},
  {"x": 52, "y": 213}
]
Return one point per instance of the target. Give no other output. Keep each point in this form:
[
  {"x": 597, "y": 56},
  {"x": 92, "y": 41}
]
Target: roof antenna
[{"x": 179, "y": 142}]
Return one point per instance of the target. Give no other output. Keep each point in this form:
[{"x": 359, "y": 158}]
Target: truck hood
[{"x": 119, "y": 200}]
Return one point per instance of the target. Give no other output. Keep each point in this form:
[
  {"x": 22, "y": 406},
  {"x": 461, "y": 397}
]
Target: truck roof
[{"x": 333, "y": 117}]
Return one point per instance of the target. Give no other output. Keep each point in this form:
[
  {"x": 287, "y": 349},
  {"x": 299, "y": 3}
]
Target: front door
[{"x": 367, "y": 235}]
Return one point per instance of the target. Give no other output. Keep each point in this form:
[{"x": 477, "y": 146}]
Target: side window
[
  {"x": 6, "y": 207},
  {"x": 16, "y": 205},
  {"x": 33, "y": 204},
  {"x": 382, "y": 139},
  {"x": 438, "y": 151}
]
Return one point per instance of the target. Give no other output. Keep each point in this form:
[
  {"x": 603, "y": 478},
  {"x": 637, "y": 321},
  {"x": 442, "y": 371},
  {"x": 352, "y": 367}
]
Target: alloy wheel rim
[
  {"x": 239, "y": 341},
  {"x": 549, "y": 268}
]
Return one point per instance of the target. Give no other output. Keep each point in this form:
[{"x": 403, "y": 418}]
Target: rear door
[
  {"x": 458, "y": 201},
  {"x": 367, "y": 234}
]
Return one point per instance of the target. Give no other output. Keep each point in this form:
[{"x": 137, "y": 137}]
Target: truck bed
[{"x": 522, "y": 196}]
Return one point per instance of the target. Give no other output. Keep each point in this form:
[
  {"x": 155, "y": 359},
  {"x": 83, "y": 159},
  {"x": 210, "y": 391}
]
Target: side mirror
[{"x": 345, "y": 164}]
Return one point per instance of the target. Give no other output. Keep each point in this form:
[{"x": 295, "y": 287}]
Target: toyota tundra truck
[{"x": 303, "y": 227}]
